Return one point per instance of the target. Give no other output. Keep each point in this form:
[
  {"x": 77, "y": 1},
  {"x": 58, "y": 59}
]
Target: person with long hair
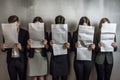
[
  {"x": 82, "y": 67},
  {"x": 104, "y": 60}
]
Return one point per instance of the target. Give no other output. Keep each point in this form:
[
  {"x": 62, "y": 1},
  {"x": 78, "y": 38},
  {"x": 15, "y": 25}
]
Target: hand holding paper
[
  {"x": 44, "y": 42},
  {"x": 46, "y": 46},
  {"x": 29, "y": 41},
  {"x": 114, "y": 44},
  {"x": 52, "y": 42},
  {"x": 92, "y": 46},
  {"x": 67, "y": 45},
  {"x": 3, "y": 46},
  {"x": 100, "y": 44},
  {"x": 77, "y": 44},
  {"x": 18, "y": 45}
]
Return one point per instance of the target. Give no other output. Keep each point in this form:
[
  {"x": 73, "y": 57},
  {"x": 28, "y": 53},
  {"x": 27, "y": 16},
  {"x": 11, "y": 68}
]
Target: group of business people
[{"x": 34, "y": 63}]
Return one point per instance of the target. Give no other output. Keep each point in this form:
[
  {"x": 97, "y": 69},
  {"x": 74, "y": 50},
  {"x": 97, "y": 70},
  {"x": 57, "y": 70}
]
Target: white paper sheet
[
  {"x": 36, "y": 32},
  {"x": 84, "y": 54},
  {"x": 60, "y": 36},
  {"x": 59, "y": 49},
  {"x": 37, "y": 44},
  {"x": 108, "y": 32},
  {"x": 10, "y": 34},
  {"x": 60, "y": 33},
  {"x": 107, "y": 36},
  {"x": 109, "y": 28},
  {"x": 106, "y": 46},
  {"x": 85, "y": 36}
]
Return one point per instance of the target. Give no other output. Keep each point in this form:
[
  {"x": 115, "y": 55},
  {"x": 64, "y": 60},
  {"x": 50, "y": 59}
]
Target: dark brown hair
[
  {"x": 13, "y": 19},
  {"x": 103, "y": 20},
  {"x": 37, "y": 19},
  {"x": 60, "y": 20},
  {"x": 83, "y": 20}
]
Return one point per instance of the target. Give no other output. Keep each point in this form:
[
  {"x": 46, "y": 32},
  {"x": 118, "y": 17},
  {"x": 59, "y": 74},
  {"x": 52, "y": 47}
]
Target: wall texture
[{"x": 72, "y": 10}]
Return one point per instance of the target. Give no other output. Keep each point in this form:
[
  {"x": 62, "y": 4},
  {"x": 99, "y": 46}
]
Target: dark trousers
[
  {"x": 104, "y": 71},
  {"x": 82, "y": 69},
  {"x": 16, "y": 68},
  {"x": 58, "y": 77}
]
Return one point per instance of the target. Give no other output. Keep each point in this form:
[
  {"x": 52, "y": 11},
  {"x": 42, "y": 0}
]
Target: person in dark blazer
[
  {"x": 17, "y": 64},
  {"x": 104, "y": 60},
  {"x": 82, "y": 67},
  {"x": 37, "y": 58},
  {"x": 59, "y": 65}
]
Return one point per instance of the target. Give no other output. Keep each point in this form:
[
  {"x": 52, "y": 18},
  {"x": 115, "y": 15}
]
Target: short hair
[
  {"x": 60, "y": 20},
  {"x": 37, "y": 19},
  {"x": 13, "y": 19},
  {"x": 84, "y": 19}
]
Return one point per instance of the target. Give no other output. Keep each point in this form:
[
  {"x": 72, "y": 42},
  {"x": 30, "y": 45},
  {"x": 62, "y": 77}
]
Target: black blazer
[
  {"x": 59, "y": 65},
  {"x": 74, "y": 49},
  {"x": 44, "y": 50},
  {"x": 22, "y": 39}
]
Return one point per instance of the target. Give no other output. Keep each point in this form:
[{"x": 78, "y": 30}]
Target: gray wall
[{"x": 72, "y": 10}]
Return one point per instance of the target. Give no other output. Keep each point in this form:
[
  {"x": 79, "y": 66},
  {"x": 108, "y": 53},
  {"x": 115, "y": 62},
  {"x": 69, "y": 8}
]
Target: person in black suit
[
  {"x": 104, "y": 60},
  {"x": 82, "y": 67},
  {"x": 59, "y": 65},
  {"x": 37, "y": 58},
  {"x": 16, "y": 64}
]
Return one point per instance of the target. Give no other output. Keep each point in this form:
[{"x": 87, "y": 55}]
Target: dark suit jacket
[
  {"x": 59, "y": 65},
  {"x": 74, "y": 40},
  {"x": 44, "y": 50},
  {"x": 22, "y": 39}
]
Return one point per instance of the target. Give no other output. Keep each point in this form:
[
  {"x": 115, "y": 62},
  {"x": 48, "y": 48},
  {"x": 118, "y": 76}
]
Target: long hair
[
  {"x": 83, "y": 20},
  {"x": 103, "y": 20},
  {"x": 60, "y": 20}
]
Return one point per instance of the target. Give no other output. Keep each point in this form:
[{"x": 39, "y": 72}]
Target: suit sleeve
[{"x": 115, "y": 49}]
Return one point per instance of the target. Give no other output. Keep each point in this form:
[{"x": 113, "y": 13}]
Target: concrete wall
[{"x": 72, "y": 10}]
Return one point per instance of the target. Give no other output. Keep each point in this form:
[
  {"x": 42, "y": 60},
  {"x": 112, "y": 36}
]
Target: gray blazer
[{"x": 102, "y": 56}]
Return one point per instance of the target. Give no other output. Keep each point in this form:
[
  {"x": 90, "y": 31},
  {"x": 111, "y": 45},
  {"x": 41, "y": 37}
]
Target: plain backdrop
[{"x": 72, "y": 10}]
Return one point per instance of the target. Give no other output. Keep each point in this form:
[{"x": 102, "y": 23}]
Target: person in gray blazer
[{"x": 104, "y": 60}]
